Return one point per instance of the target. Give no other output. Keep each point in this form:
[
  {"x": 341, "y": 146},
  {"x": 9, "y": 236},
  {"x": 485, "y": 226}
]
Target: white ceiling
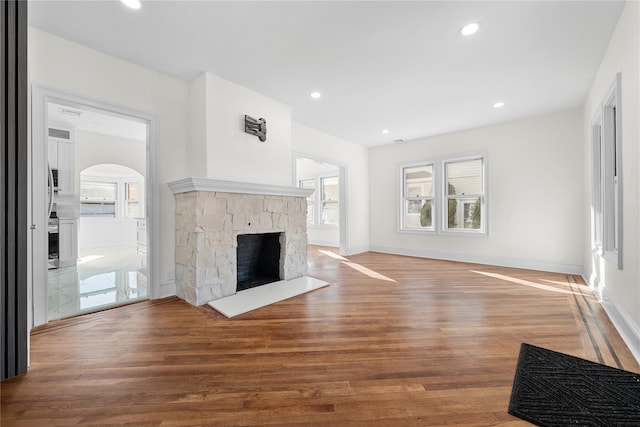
[
  {"x": 95, "y": 121},
  {"x": 394, "y": 65}
]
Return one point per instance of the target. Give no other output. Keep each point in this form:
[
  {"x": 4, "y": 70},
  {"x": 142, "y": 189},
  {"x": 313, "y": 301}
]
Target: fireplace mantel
[{"x": 206, "y": 184}]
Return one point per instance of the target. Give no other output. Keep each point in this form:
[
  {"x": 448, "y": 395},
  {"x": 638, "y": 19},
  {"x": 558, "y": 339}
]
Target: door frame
[
  {"x": 343, "y": 226},
  {"x": 38, "y": 156}
]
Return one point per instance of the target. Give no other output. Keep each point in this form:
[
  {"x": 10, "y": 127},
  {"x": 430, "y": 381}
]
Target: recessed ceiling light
[
  {"x": 133, "y": 4},
  {"x": 316, "y": 95},
  {"x": 498, "y": 104},
  {"x": 385, "y": 131},
  {"x": 470, "y": 29}
]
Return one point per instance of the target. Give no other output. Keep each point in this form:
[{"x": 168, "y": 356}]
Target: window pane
[
  {"x": 133, "y": 209},
  {"x": 464, "y": 177},
  {"x": 132, "y": 190},
  {"x": 309, "y": 184},
  {"x": 91, "y": 190},
  {"x": 472, "y": 211},
  {"x": 330, "y": 213},
  {"x": 329, "y": 188},
  {"x": 418, "y": 214},
  {"x": 98, "y": 209},
  {"x": 464, "y": 213},
  {"x": 418, "y": 181}
]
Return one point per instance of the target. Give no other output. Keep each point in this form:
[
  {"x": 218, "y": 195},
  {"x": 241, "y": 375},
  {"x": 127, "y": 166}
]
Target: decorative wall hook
[{"x": 256, "y": 127}]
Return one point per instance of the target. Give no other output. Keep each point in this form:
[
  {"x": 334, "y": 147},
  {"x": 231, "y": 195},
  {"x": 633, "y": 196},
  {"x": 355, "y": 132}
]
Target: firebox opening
[{"x": 258, "y": 260}]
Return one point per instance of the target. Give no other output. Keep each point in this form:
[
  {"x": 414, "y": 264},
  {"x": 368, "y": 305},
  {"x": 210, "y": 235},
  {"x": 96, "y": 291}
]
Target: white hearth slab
[{"x": 261, "y": 296}]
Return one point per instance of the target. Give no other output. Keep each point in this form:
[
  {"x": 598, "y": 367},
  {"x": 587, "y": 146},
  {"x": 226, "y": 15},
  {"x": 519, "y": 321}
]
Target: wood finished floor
[{"x": 393, "y": 341}]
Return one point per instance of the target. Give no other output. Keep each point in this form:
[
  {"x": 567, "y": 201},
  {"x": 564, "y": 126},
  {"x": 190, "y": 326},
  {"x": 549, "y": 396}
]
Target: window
[
  {"x": 309, "y": 184},
  {"x": 132, "y": 199},
  {"x": 444, "y": 196},
  {"x": 98, "y": 199},
  {"x": 596, "y": 194},
  {"x": 417, "y": 194},
  {"x": 111, "y": 197},
  {"x": 464, "y": 193},
  {"x": 607, "y": 177},
  {"x": 327, "y": 200}
]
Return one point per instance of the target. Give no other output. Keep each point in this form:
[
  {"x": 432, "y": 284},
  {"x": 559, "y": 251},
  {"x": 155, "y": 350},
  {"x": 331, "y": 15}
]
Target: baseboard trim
[
  {"x": 167, "y": 289},
  {"x": 357, "y": 250},
  {"x": 329, "y": 243},
  {"x": 629, "y": 332},
  {"x": 480, "y": 259}
]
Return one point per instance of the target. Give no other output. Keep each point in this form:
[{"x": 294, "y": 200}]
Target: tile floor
[{"x": 103, "y": 278}]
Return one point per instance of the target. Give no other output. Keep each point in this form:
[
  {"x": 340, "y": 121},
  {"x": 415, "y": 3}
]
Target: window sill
[
  {"x": 444, "y": 232},
  {"x": 418, "y": 231},
  {"x": 465, "y": 233}
]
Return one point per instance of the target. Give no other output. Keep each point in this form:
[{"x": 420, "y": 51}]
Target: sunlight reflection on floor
[
  {"x": 364, "y": 270},
  {"x": 332, "y": 255},
  {"x": 360, "y": 268},
  {"x": 528, "y": 283}
]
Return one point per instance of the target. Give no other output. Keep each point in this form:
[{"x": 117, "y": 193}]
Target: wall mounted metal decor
[{"x": 256, "y": 127}]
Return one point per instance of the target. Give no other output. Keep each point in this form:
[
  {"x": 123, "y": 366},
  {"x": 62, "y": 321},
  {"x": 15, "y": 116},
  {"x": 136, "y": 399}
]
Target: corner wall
[
  {"x": 620, "y": 289},
  {"x": 534, "y": 194}
]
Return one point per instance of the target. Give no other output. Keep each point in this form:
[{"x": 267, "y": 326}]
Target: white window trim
[
  {"x": 435, "y": 217},
  {"x": 611, "y": 175},
  {"x": 439, "y": 211},
  {"x": 318, "y": 201},
  {"x": 596, "y": 188},
  {"x": 322, "y": 201},
  {"x": 483, "y": 231}
]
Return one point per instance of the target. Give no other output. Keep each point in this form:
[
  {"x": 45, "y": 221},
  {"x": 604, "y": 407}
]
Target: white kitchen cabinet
[
  {"x": 52, "y": 148},
  {"x": 66, "y": 163},
  {"x": 68, "y": 242},
  {"x": 141, "y": 241}
]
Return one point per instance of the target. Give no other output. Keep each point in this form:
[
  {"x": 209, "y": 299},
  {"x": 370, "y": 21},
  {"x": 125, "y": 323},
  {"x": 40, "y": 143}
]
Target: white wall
[
  {"x": 234, "y": 155},
  {"x": 534, "y": 194},
  {"x": 621, "y": 289},
  {"x": 94, "y": 149},
  {"x": 197, "y": 147},
  {"x": 59, "y": 64},
  {"x": 314, "y": 144},
  {"x": 105, "y": 232}
]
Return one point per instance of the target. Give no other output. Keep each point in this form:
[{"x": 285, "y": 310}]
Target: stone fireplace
[{"x": 212, "y": 216}]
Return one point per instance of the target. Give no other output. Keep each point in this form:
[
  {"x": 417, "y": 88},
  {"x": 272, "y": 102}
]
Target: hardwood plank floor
[{"x": 393, "y": 341}]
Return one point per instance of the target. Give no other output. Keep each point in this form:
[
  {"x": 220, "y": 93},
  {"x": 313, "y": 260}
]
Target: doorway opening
[
  {"x": 99, "y": 202},
  {"x": 327, "y": 205},
  {"x": 110, "y": 265}
]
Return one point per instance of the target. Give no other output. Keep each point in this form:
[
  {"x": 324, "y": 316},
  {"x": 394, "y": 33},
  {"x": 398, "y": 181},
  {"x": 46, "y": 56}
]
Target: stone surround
[{"x": 210, "y": 214}]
